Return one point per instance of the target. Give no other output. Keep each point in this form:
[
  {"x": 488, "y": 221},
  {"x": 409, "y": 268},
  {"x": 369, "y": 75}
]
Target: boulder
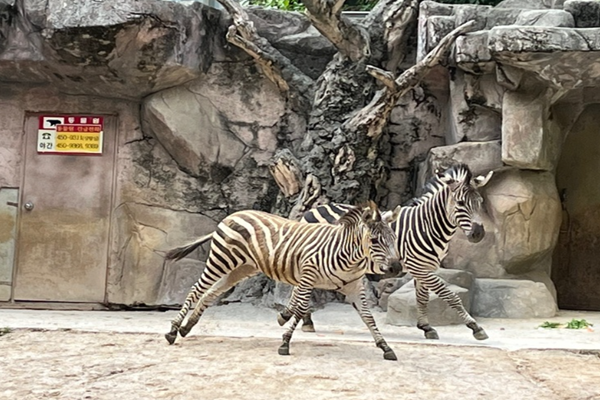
[
  {"x": 402, "y": 307},
  {"x": 530, "y": 139},
  {"x": 557, "y": 18},
  {"x": 110, "y": 48},
  {"x": 507, "y": 298},
  {"x": 475, "y": 108},
  {"x": 524, "y": 216},
  {"x": 402, "y": 303},
  {"x": 586, "y": 13},
  {"x": 481, "y": 157}
]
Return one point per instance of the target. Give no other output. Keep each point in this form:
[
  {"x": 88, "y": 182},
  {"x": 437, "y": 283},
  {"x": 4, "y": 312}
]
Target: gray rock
[
  {"x": 192, "y": 130},
  {"x": 402, "y": 307},
  {"x": 558, "y": 18},
  {"x": 457, "y": 277},
  {"x": 530, "y": 4},
  {"x": 521, "y": 230},
  {"x": 585, "y": 13},
  {"x": 110, "y": 48},
  {"x": 530, "y": 140},
  {"x": 177, "y": 280},
  {"x": 386, "y": 287},
  {"x": 481, "y": 157},
  {"x": 504, "y": 298},
  {"x": 475, "y": 108}
]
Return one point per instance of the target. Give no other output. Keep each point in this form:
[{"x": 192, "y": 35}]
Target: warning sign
[{"x": 70, "y": 134}]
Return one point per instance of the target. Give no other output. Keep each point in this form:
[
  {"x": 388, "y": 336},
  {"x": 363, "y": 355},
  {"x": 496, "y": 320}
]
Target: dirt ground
[{"x": 66, "y": 364}]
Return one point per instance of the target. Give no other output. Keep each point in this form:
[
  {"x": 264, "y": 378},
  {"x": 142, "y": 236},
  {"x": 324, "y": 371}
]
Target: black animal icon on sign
[{"x": 54, "y": 122}]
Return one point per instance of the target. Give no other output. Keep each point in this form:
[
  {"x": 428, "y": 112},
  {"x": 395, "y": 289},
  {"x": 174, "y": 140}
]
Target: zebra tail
[{"x": 179, "y": 252}]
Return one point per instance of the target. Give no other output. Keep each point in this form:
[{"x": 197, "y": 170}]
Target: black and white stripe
[
  {"x": 307, "y": 256},
  {"x": 424, "y": 228}
]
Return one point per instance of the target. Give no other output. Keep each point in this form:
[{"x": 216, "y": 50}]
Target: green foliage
[
  {"x": 573, "y": 324},
  {"x": 353, "y": 5},
  {"x": 5, "y": 331},
  {"x": 550, "y": 325},
  {"x": 578, "y": 324}
]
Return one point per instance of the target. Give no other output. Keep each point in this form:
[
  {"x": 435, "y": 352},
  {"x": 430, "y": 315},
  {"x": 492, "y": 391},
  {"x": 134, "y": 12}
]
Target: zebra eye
[{"x": 460, "y": 203}]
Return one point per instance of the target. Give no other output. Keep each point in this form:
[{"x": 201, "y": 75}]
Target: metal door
[{"x": 62, "y": 247}]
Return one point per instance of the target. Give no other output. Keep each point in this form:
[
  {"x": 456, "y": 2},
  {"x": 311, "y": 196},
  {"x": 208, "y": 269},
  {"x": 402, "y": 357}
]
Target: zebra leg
[
  {"x": 422, "y": 294},
  {"x": 302, "y": 298},
  {"x": 355, "y": 292},
  {"x": 439, "y": 287},
  {"x": 225, "y": 283},
  {"x": 192, "y": 297},
  {"x": 286, "y": 314}
]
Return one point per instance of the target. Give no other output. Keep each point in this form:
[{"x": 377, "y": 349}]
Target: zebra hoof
[
  {"x": 284, "y": 350},
  {"x": 308, "y": 328},
  {"x": 390, "y": 355},
  {"x": 432, "y": 334},
  {"x": 281, "y": 320},
  {"x": 171, "y": 337},
  {"x": 184, "y": 330},
  {"x": 480, "y": 335}
]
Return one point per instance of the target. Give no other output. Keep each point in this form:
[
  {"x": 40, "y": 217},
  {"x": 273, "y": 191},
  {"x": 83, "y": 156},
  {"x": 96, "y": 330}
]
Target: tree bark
[{"x": 349, "y": 106}]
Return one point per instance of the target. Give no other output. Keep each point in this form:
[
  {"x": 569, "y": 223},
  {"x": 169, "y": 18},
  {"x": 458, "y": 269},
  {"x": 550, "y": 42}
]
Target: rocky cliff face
[{"x": 202, "y": 123}]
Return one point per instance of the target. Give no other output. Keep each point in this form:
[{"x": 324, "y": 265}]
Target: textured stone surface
[
  {"x": 521, "y": 231},
  {"x": 481, "y": 157},
  {"x": 402, "y": 307},
  {"x": 504, "y": 298},
  {"x": 110, "y": 48},
  {"x": 558, "y": 18},
  {"x": 402, "y": 303},
  {"x": 530, "y": 139},
  {"x": 586, "y": 13},
  {"x": 475, "y": 108}
]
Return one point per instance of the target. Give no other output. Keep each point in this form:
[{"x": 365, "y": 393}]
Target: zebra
[
  {"x": 423, "y": 228},
  {"x": 307, "y": 256}
]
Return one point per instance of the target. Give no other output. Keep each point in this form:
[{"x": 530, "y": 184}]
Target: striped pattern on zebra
[
  {"x": 307, "y": 256},
  {"x": 424, "y": 228}
]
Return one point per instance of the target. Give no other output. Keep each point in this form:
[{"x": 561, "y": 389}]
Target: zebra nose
[
  {"x": 394, "y": 270},
  {"x": 477, "y": 233}
]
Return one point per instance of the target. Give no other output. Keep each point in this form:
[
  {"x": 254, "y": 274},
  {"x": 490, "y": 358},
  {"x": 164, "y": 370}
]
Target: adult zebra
[
  {"x": 307, "y": 256},
  {"x": 424, "y": 228}
]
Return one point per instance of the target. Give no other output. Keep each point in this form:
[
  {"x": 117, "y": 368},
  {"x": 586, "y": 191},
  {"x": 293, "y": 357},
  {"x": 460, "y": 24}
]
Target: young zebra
[
  {"x": 424, "y": 229},
  {"x": 307, "y": 256}
]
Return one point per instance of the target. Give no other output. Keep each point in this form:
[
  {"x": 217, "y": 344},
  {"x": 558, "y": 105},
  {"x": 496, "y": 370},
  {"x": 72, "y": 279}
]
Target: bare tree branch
[
  {"x": 373, "y": 117},
  {"x": 349, "y": 38},
  {"x": 292, "y": 82}
]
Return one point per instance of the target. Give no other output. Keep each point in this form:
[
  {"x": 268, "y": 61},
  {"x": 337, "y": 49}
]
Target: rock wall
[{"x": 199, "y": 125}]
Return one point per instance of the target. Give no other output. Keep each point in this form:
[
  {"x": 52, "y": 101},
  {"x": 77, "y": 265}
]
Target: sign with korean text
[{"x": 70, "y": 134}]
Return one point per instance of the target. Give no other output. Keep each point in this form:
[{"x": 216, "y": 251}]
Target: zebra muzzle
[{"x": 477, "y": 233}]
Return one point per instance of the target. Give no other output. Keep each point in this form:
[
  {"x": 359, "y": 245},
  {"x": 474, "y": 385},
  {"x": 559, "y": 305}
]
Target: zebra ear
[
  {"x": 481, "y": 180},
  {"x": 371, "y": 213},
  {"x": 390, "y": 216}
]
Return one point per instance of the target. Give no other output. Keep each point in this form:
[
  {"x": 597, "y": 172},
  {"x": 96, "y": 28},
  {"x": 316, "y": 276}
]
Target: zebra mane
[
  {"x": 457, "y": 172},
  {"x": 351, "y": 217}
]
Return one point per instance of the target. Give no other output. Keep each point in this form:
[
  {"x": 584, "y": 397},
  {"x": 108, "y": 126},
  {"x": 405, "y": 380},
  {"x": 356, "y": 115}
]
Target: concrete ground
[
  {"x": 232, "y": 354},
  {"x": 335, "y": 322}
]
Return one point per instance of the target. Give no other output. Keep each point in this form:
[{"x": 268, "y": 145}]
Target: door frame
[{"x": 26, "y": 138}]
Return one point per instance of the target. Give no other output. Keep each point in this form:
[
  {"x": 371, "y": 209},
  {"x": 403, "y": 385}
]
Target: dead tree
[{"x": 348, "y": 106}]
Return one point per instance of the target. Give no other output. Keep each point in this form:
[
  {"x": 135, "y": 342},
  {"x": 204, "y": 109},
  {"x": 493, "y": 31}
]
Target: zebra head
[
  {"x": 383, "y": 252},
  {"x": 466, "y": 201}
]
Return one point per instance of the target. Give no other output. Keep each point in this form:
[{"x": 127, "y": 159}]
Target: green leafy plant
[
  {"x": 5, "y": 331},
  {"x": 550, "y": 325},
  {"x": 573, "y": 324},
  {"x": 578, "y": 324}
]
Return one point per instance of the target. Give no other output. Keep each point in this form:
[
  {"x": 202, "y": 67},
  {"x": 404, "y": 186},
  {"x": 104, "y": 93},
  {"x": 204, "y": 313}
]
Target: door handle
[{"x": 28, "y": 206}]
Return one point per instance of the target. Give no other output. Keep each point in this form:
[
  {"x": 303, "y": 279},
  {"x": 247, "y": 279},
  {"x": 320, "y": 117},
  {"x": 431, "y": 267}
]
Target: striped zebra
[
  {"x": 423, "y": 229},
  {"x": 307, "y": 256}
]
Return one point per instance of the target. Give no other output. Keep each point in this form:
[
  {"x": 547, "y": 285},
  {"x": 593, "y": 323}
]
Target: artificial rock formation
[{"x": 204, "y": 131}]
